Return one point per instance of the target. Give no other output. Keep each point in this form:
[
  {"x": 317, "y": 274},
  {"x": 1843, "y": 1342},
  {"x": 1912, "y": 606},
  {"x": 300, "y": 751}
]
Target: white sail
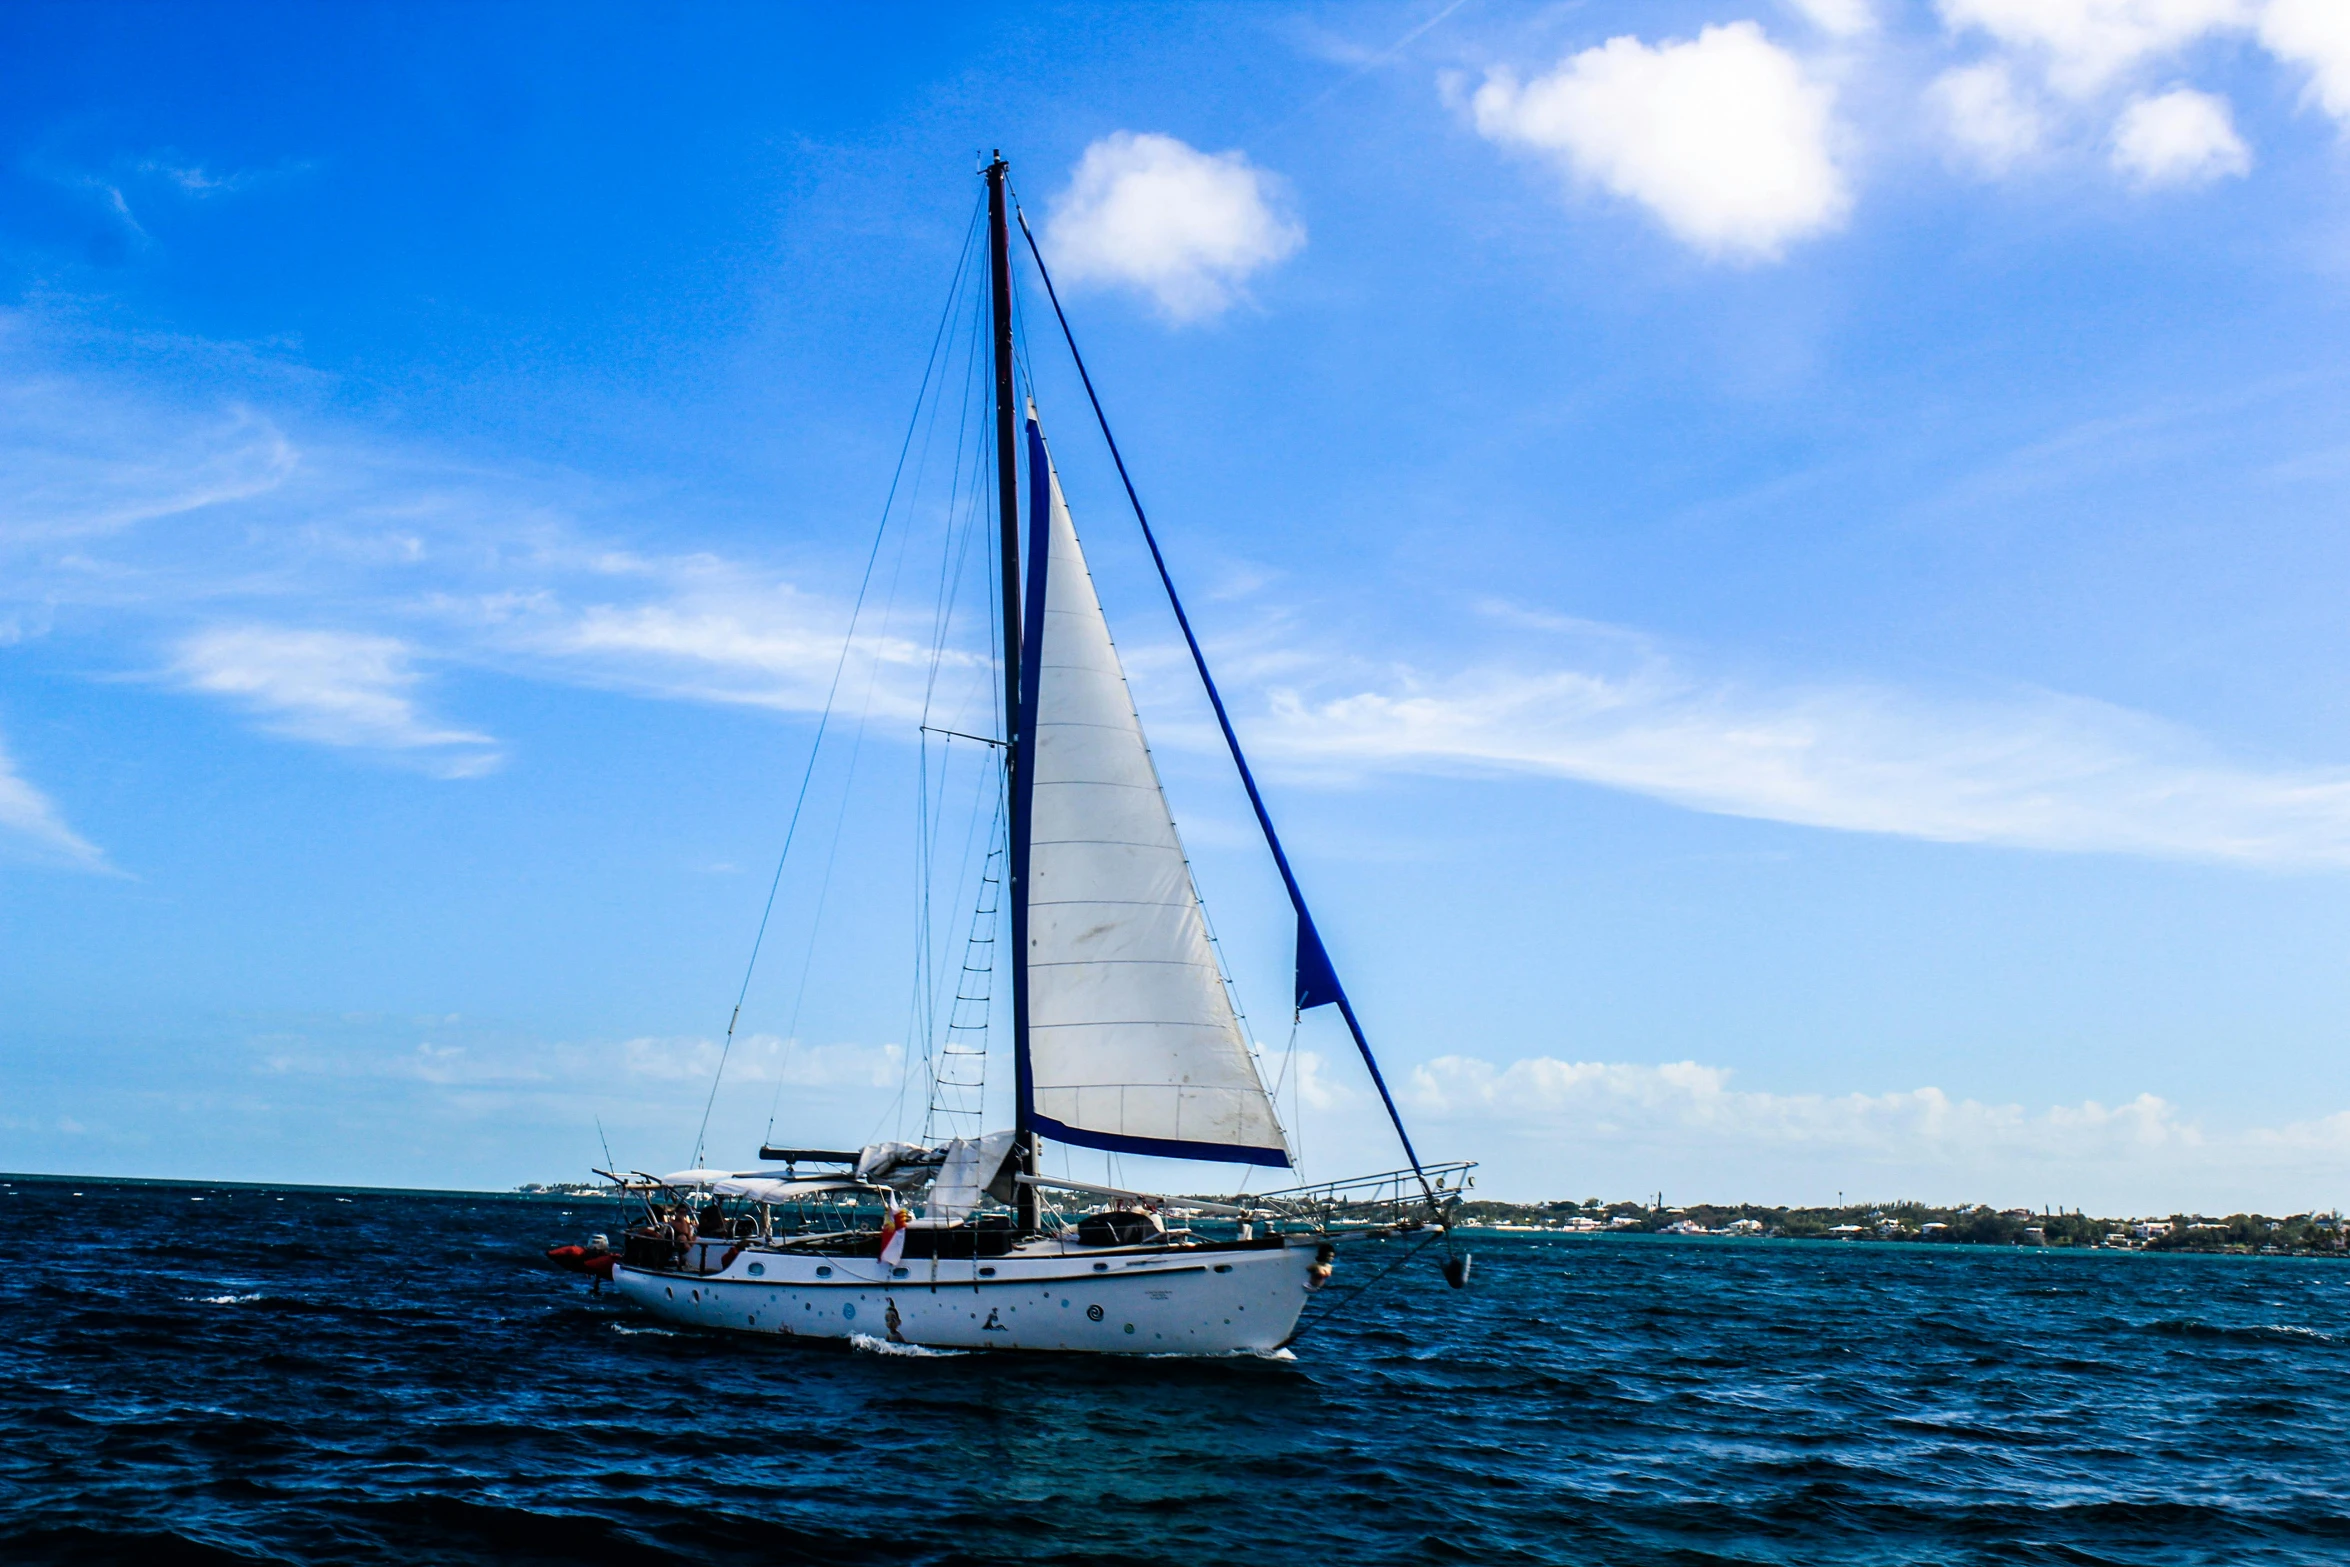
[{"x": 1133, "y": 1043}]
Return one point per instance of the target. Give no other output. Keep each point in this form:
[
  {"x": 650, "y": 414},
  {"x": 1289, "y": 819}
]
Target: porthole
[
  {"x": 824, "y": 1273},
  {"x": 849, "y": 1311},
  {"x": 1093, "y": 1313},
  {"x": 987, "y": 1273},
  {"x": 1221, "y": 1267},
  {"x": 1129, "y": 1327},
  {"x": 897, "y": 1273},
  {"x": 1101, "y": 1267},
  {"x": 758, "y": 1270}
]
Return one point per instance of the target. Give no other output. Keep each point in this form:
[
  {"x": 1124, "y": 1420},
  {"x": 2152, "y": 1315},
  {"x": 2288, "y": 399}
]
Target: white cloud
[
  {"x": 1838, "y": 18},
  {"x": 2084, "y": 47},
  {"x": 2315, "y": 34},
  {"x": 1615, "y": 1101},
  {"x": 2034, "y": 771},
  {"x": 335, "y": 687},
  {"x": 1550, "y": 1127},
  {"x": 2181, "y": 137},
  {"x": 488, "y": 570},
  {"x": 1723, "y": 137},
  {"x": 1994, "y": 122},
  {"x": 2086, "y": 44},
  {"x": 34, "y": 821},
  {"x": 1186, "y": 227},
  {"x": 711, "y": 632},
  {"x": 119, "y": 506}
]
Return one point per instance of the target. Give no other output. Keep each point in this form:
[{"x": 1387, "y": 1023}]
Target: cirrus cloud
[
  {"x": 31, "y": 820},
  {"x": 337, "y": 688},
  {"x": 2030, "y": 770}
]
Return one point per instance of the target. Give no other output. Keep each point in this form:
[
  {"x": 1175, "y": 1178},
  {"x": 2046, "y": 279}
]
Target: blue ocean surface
[{"x": 221, "y": 1374}]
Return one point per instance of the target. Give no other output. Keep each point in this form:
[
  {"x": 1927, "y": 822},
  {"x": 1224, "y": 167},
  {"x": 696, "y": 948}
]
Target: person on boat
[{"x": 681, "y": 1229}]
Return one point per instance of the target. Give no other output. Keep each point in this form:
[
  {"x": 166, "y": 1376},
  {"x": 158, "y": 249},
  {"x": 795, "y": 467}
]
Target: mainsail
[{"x": 1132, "y": 1041}]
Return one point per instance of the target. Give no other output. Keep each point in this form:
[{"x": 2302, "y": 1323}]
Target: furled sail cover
[
  {"x": 971, "y": 1166},
  {"x": 1133, "y": 1045}
]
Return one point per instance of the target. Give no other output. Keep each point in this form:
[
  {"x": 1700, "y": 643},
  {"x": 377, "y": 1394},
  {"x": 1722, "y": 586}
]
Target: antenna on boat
[{"x": 1007, "y": 470}]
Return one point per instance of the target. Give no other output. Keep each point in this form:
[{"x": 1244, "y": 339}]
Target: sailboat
[{"x": 1124, "y": 1039}]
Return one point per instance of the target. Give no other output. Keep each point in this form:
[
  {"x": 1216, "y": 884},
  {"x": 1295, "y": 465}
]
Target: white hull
[{"x": 1179, "y": 1301}]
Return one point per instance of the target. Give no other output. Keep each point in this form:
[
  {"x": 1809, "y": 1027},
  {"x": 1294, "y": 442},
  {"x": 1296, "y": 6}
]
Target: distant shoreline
[
  {"x": 2243, "y": 1234},
  {"x": 2324, "y": 1235}
]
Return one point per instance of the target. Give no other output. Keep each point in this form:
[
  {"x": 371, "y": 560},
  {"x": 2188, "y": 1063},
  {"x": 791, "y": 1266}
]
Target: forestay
[{"x": 1133, "y": 1043}]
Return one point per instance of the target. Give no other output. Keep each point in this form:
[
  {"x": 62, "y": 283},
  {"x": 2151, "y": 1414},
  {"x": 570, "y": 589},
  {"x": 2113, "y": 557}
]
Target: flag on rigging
[{"x": 893, "y": 1235}]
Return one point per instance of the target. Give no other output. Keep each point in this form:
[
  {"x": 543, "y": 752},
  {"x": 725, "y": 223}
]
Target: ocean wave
[{"x": 2262, "y": 1333}]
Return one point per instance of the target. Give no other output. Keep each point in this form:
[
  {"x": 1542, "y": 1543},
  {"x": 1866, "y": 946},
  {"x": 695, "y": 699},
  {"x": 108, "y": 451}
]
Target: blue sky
[{"x": 1783, "y": 564}]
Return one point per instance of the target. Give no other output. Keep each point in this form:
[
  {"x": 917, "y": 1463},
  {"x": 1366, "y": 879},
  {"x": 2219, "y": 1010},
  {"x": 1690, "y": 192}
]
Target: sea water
[{"x": 216, "y": 1374}]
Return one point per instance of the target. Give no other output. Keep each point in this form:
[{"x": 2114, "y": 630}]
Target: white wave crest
[{"x": 874, "y": 1346}]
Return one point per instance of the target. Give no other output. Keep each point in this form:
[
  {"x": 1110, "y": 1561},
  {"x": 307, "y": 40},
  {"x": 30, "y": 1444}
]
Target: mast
[{"x": 1007, "y": 469}]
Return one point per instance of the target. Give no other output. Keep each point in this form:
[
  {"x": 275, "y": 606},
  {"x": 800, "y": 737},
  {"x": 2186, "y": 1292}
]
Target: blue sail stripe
[{"x": 1160, "y": 1147}]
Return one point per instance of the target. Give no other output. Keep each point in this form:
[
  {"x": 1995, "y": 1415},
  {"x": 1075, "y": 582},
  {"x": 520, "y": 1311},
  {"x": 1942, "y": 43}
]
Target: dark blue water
[{"x": 302, "y": 1377}]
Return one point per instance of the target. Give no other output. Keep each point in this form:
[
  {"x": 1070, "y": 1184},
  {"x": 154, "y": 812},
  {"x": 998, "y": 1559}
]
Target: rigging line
[
  {"x": 914, "y": 1002},
  {"x": 1295, "y": 1071},
  {"x": 840, "y": 818},
  {"x": 1294, "y": 1077},
  {"x": 970, "y": 829},
  {"x": 1351, "y": 1296},
  {"x": 951, "y": 565},
  {"x": 922, "y": 1019},
  {"x": 1216, "y": 700},
  {"x": 954, "y": 560},
  {"x": 951, "y": 559},
  {"x": 935, "y": 827},
  {"x": 816, "y": 747},
  {"x": 990, "y": 906},
  {"x": 832, "y": 851}
]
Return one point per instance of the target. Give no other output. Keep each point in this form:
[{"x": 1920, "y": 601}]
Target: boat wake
[{"x": 875, "y": 1346}]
